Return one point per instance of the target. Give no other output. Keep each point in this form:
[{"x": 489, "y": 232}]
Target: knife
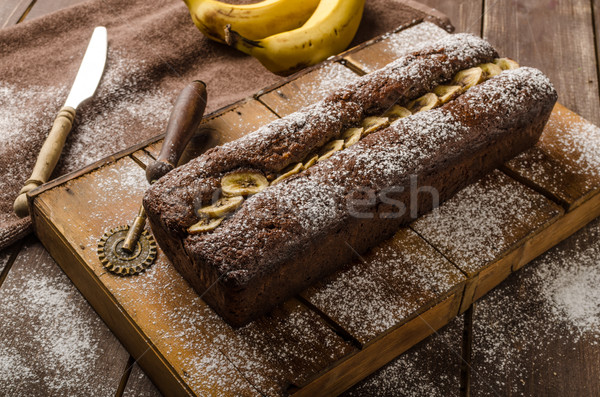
[{"x": 85, "y": 85}]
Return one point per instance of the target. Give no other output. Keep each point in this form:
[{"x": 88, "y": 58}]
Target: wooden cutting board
[{"x": 345, "y": 327}]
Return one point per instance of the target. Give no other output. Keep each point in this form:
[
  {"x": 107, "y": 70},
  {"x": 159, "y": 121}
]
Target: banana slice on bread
[
  {"x": 205, "y": 225},
  {"x": 221, "y": 207},
  {"x": 243, "y": 183},
  {"x": 287, "y": 172}
]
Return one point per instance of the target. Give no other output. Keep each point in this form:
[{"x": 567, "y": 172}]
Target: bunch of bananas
[{"x": 284, "y": 35}]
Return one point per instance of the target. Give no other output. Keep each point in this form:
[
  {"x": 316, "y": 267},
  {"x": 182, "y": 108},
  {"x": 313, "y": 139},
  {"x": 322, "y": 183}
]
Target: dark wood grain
[
  {"x": 51, "y": 340},
  {"x": 11, "y": 11},
  {"x": 139, "y": 385},
  {"x": 465, "y": 15},
  {"x": 554, "y": 36},
  {"x": 7, "y": 258},
  {"x": 430, "y": 368},
  {"x": 537, "y": 334},
  {"x": 385, "y": 287},
  {"x": 596, "y": 24}
]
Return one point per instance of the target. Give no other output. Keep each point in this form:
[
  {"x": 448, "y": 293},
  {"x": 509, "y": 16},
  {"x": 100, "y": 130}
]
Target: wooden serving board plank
[
  {"x": 271, "y": 353},
  {"x": 222, "y": 126},
  {"x": 391, "y": 284},
  {"x": 570, "y": 180},
  {"x": 353, "y": 322}
]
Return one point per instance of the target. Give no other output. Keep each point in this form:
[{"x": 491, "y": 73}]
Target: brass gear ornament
[{"x": 119, "y": 261}]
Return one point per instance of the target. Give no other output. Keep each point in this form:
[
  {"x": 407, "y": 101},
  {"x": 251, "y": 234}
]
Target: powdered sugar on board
[
  {"x": 431, "y": 368},
  {"x": 51, "y": 340},
  {"x": 390, "y": 283},
  {"x": 481, "y": 221},
  {"x": 211, "y": 354},
  {"x": 407, "y": 40},
  {"x": 395, "y": 45},
  {"x": 574, "y": 145},
  {"x": 317, "y": 85},
  {"x": 542, "y": 315}
]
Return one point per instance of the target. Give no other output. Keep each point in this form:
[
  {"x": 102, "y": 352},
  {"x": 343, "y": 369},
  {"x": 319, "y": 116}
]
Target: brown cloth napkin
[{"x": 154, "y": 50}]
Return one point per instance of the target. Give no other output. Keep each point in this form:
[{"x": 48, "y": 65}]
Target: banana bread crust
[{"x": 291, "y": 234}]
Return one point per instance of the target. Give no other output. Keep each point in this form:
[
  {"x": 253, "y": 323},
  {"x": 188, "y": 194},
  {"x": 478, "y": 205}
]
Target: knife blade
[{"x": 84, "y": 87}]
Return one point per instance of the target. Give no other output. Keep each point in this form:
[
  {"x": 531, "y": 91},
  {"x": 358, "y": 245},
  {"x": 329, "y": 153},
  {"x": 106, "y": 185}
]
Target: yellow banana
[
  {"x": 254, "y": 21},
  {"x": 327, "y": 32}
]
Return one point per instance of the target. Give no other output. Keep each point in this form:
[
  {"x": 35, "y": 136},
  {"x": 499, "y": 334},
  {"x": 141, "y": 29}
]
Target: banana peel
[
  {"x": 327, "y": 32},
  {"x": 254, "y": 21}
]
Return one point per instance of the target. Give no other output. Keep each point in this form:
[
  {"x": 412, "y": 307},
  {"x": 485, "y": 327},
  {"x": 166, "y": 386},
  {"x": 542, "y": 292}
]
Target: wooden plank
[
  {"x": 565, "y": 163},
  {"x": 282, "y": 350},
  {"x": 308, "y": 88},
  {"x": 223, "y": 126},
  {"x": 373, "y": 356},
  {"x": 538, "y": 333},
  {"x": 139, "y": 384},
  {"x": 392, "y": 283},
  {"x": 51, "y": 341},
  {"x": 466, "y": 15},
  {"x": 393, "y": 46},
  {"x": 11, "y": 11},
  {"x": 430, "y": 368},
  {"x": 134, "y": 307},
  {"x": 559, "y": 230},
  {"x": 482, "y": 228},
  {"x": 43, "y": 7},
  {"x": 7, "y": 257},
  {"x": 485, "y": 221},
  {"x": 296, "y": 344},
  {"x": 555, "y": 37}
]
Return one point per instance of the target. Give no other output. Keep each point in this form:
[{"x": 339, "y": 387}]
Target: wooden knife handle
[
  {"x": 47, "y": 159},
  {"x": 183, "y": 123}
]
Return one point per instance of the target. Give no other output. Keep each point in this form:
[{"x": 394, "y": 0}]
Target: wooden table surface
[{"x": 521, "y": 339}]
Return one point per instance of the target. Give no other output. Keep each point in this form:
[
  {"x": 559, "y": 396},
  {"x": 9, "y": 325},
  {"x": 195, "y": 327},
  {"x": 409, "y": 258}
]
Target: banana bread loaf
[{"x": 323, "y": 207}]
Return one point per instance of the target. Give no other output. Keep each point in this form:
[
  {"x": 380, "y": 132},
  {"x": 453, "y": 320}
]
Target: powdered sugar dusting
[
  {"x": 405, "y": 41},
  {"x": 551, "y": 305},
  {"x": 316, "y": 86},
  {"x": 569, "y": 282},
  {"x": 484, "y": 219},
  {"x": 269, "y": 361},
  {"x": 14, "y": 122},
  {"x": 16, "y": 126},
  {"x": 316, "y": 201},
  {"x": 582, "y": 143},
  {"x": 390, "y": 283},
  {"x": 429, "y": 131},
  {"x": 431, "y": 368},
  {"x": 527, "y": 82},
  {"x": 51, "y": 338},
  {"x": 182, "y": 326}
]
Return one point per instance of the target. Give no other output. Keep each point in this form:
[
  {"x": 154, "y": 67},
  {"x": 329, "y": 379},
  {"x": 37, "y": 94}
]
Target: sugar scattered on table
[
  {"x": 553, "y": 304},
  {"x": 60, "y": 333}
]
